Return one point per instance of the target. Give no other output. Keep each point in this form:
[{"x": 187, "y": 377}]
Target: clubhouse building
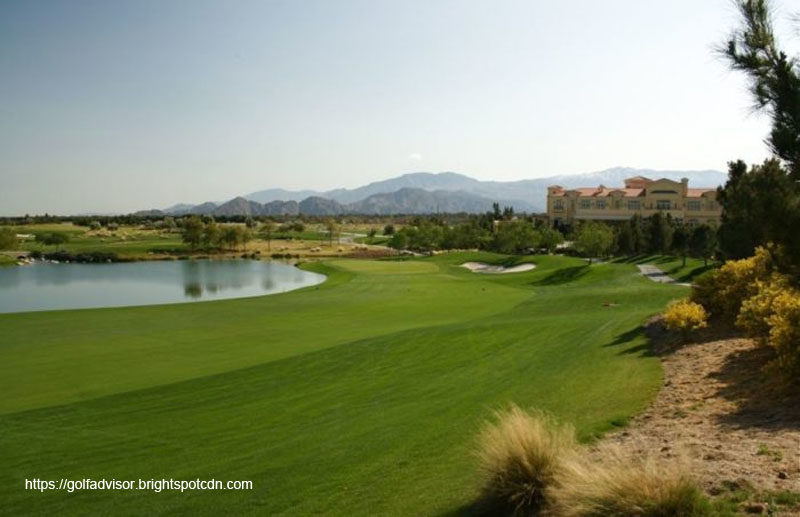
[{"x": 640, "y": 195}]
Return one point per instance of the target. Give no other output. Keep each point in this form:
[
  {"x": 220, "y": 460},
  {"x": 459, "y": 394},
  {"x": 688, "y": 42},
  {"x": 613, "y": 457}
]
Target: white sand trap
[{"x": 480, "y": 267}]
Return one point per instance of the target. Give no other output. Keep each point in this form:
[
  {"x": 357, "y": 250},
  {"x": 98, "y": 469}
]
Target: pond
[{"x": 46, "y": 286}]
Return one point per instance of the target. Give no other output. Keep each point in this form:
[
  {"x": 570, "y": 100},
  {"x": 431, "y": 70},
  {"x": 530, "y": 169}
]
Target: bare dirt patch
[{"x": 720, "y": 408}]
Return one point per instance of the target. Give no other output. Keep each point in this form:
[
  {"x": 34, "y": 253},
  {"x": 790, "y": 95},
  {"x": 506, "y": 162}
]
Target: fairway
[{"x": 359, "y": 396}]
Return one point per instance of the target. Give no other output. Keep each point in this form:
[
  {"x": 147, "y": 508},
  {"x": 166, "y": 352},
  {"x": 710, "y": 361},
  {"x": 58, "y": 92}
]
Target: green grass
[
  {"x": 6, "y": 260},
  {"x": 671, "y": 265},
  {"x": 359, "y": 396},
  {"x": 126, "y": 242},
  {"x": 380, "y": 240}
]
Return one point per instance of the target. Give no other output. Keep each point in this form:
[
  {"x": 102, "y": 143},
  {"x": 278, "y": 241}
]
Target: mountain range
[{"x": 423, "y": 192}]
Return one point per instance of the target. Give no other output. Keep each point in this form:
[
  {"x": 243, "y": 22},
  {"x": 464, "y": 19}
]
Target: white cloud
[{"x": 415, "y": 156}]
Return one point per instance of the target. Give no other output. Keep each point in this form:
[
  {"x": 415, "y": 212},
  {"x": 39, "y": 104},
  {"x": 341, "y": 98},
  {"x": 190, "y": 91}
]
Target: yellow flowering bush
[
  {"x": 755, "y": 312},
  {"x": 685, "y": 316},
  {"x": 784, "y": 331},
  {"x": 722, "y": 291}
]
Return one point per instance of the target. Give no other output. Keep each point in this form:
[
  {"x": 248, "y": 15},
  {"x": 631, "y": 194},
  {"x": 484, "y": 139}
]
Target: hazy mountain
[
  {"x": 529, "y": 194},
  {"x": 316, "y": 205},
  {"x": 280, "y": 208},
  {"x": 239, "y": 206},
  {"x": 419, "y": 201},
  {"x": 422, "y": 192},
  {"x": 279, "y": 194},
  {"x": 203, "y": 208}
]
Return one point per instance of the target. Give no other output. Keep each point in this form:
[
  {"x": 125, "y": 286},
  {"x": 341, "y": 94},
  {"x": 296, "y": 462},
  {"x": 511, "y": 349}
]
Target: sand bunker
[{"x": 480, "y": 267}]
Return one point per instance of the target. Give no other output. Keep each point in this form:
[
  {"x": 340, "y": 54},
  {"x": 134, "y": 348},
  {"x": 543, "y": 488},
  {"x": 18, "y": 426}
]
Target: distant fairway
[{"x": 360, "y": 396}]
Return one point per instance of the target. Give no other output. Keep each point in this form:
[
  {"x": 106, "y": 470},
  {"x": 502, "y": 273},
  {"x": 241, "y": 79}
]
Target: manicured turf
[
  {"x": 360, "y": 396},
  {"x": 671, "y": 265}
]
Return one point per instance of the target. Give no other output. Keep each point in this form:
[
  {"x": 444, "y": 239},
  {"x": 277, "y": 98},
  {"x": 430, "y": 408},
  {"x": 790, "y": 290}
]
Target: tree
[
  {"x": 758, "y": 206},
  {"x": 372, "y": 233},
  {"x": 212, "y": 235},
  {"x": 192, "y": 234},
  {"x": 245, "y": 235},
  {"x": 230, "y": 236},
  {"x": 388, "y": 229},
  {"x": 638, "y": 234},
  {"x": 267, "y": 229},
  {"x": 774, "y": 201},
  {"x": 680, "y": 241},
  {"x": 169, "y": 223},
  {"x": 399, "y": 241},
  {"x": 774, "y": 78},
  {"x": 516, "y": 237},
  {"x": 659, "y": 233},
  {"x": 332, "y": 229},
  {"x": 703, "y": 242},
  {"x": 625, "y": 240},
  {"x": 52, "y": 239},
  {"x": 249, "y": 222},
  {"x": 550, "y": 238},
  {"x": 594, "y": 239},
  {"x": 496, "y": 213},
  {"x": 8, "y": 239}
]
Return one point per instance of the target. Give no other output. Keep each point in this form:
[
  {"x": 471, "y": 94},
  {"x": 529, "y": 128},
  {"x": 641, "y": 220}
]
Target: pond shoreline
[{"x": 54, "y": 285}]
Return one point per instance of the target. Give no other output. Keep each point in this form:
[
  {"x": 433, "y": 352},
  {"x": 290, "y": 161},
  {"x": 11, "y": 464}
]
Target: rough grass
[
  {"x": 621, "y": 483},
  {"x": 521, "y": 454},
  {"x": 532, "y": 465},
  {"x": 360, "y": 396}
]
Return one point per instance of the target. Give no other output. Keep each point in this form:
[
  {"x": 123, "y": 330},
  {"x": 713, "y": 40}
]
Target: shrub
[
  {"x": 754, "y": 314},
  {"x": 685, "y": 316},
  {"x": 722, "y": 291},
  {"x": 8, "y": 239},
  {"x": 784, "y": 332},
  {"x": 620, "y": 485},
  {"x": 520, "y": 455}
]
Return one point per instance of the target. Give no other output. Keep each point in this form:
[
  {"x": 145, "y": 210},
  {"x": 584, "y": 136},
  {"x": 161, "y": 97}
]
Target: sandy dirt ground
[{"x": 719, "y": 407}]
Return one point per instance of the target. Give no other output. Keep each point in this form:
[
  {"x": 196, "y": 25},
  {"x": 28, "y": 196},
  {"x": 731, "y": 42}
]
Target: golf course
[{"x": 362, "y": 395}]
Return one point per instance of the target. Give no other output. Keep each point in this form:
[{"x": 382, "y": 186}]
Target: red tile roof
[{"x": 697, "y": 192}]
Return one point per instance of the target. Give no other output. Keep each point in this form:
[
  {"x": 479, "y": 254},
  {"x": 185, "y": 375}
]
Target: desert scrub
[
  {"x": 521, "y": 454},
  {"x": 685, "y": 316},
  {"x": 620, "y": 485}
]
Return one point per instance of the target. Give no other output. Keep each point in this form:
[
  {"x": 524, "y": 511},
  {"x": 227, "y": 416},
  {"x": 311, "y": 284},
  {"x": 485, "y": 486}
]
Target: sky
[{"x": 121, "y": 105}]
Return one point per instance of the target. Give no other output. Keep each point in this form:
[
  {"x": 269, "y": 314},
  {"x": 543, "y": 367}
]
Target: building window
[
  {"x": 585, "y": 203},
  {"x": 617, "y": 204},
  {"x": 663, "y": 205},
  {"x": 693, "y": 205},
  {"x": 634, "y": 205},
  {"x": 558, "y": 204},
  {"x": 600, "y": 204}
]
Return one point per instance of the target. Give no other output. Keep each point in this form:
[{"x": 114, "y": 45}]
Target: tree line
[{"x": 205, "y": 233}]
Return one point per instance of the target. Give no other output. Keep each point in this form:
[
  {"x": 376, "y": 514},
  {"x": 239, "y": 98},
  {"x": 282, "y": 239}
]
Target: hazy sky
[{"x": 115, "y": 105}]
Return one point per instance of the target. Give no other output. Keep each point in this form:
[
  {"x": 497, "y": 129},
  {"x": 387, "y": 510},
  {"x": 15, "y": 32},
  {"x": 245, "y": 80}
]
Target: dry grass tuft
[
  {"x": 622, "y": 485},
  {"x": 521, "y": 454}
]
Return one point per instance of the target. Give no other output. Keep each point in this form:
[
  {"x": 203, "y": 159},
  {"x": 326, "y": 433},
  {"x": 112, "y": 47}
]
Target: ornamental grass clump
[
  {"x": 616, "y": 484},
  {"x": 521, "y": 454},
  {"x": 685, "y": 316}
]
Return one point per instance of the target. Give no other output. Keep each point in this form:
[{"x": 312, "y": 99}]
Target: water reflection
[{"x": 61, "y": 286}]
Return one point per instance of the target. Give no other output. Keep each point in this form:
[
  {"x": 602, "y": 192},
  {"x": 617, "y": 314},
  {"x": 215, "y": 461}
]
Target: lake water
[{"x": 45, "y": 286}]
